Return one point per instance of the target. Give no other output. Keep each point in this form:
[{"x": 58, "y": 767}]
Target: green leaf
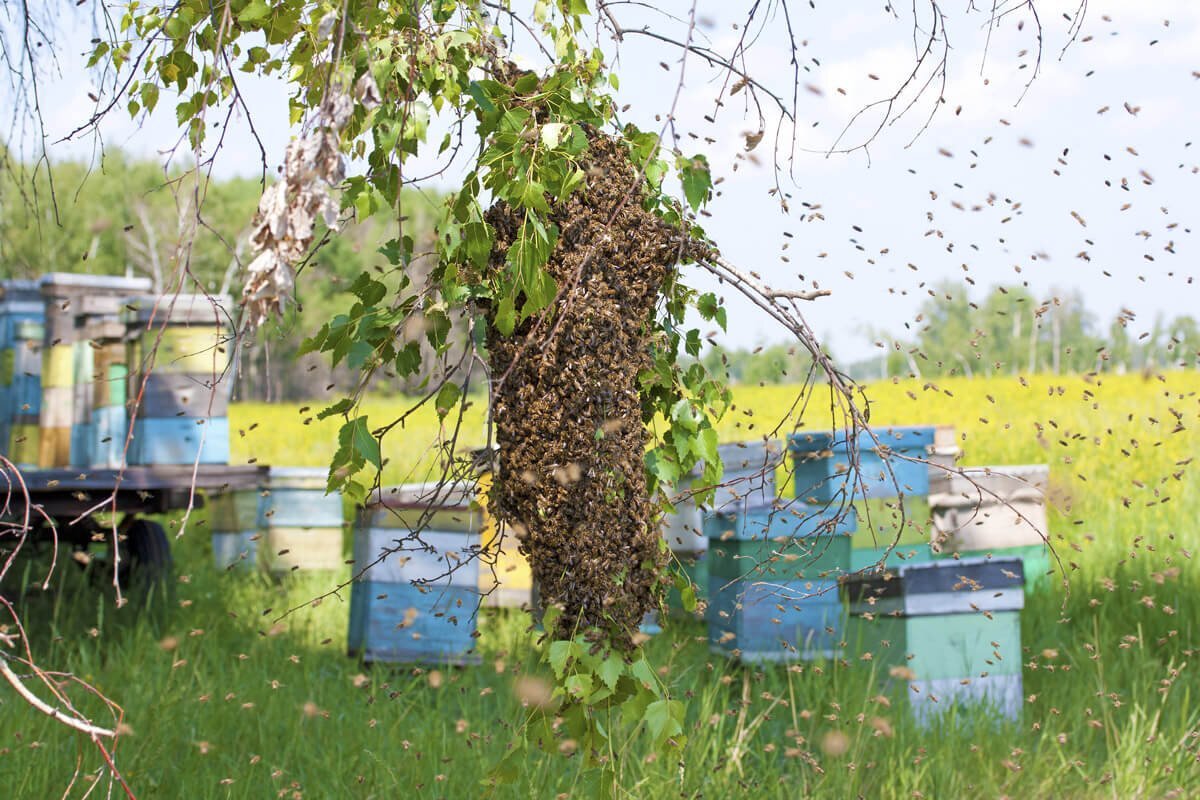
[
  {"x": 340, "y": 407},
  {"x": 610, "y": 670},
  {"x": 506, "y": 316},
  {"x": 447, "y": 397},
  {"x": 550, "y": 618},
  {"x": 664, "y": 720},
  {"x": 559, "y": 655},
  {"x": 687, "y": 597},
  {"x": 480, "y": 96},
  {"x": 696, "y": 179},
  {"x": 643, "y": 673},
  {"x": 363, "y": 443},
  {"x": 579, "y": 686},
  {"x": 255, "y": 11}
]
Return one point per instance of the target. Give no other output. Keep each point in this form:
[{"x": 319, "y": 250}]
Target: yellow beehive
[{"x": 504, "y": 575}]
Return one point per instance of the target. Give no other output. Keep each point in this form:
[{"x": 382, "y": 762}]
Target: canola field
[{"x": 225, "y": 699}]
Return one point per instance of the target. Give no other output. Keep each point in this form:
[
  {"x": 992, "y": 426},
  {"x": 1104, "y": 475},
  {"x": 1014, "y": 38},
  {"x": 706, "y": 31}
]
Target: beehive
[
  {"x": 430, "y": 621},
  {"x": 82, "y": 316},
  {"x": 822, "y": 468},
  {"x": 772, "y": 583},
  {"x": 948, "y": 632},
  {"x": 179, "y": 358},
  {"x": 990, "y": 507},
  {"x": 748, "y": 479},
  {"x": 301, "y": 524}
]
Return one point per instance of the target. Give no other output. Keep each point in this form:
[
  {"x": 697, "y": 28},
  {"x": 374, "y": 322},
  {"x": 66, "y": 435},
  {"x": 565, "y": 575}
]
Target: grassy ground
[{"x": 222, "y": 701}]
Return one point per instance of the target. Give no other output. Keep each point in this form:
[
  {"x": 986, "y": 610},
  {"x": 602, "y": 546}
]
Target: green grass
[{"x": 214, "y": 690}]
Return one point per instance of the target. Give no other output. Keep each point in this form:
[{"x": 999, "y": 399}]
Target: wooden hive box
[
  {"x": 822, "y": 470},
  {"x": 776, "y": 621},
  {"x": 984, "y": 508},
  {"x": 950, "y": 632},
  {"x": 301, "y": 524},
  {"x": 748, "y": 479},
  {"x": 429, "y": 621},
  {"x": 233, "y": 518},
  {"x": 179, "y": 440},
  {"x": 772, "y": 584}
]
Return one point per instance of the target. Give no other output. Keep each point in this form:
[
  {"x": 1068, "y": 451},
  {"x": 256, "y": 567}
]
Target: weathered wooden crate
[
  {"x": 949, "y": 631},
  {"x": 748, "y": 479},
  {"x": 943, "y": 457},
  {"x": 776, "y": 621},
  {"x": 58, "y": 366},
  {"x": 822, "y": 469},
  {"x": 301, "y": 525},
  {"x": 991, "y": 507},
  {"x": 429, "y": 621},
  {"x": 24, "y": 446},
  {"x": 180, "y": 440}
]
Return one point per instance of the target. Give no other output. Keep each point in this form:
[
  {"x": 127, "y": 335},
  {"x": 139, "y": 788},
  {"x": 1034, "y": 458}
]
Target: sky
[{"x": 1085, "y": 181}]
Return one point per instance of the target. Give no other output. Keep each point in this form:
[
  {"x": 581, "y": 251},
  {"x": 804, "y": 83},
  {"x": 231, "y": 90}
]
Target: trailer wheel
[{"x": 147, "y": 566}]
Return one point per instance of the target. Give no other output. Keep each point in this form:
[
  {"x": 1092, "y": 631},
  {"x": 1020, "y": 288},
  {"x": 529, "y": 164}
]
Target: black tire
[{"x": 146, "y": 566}]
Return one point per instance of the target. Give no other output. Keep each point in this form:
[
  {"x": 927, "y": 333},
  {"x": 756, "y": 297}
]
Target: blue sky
[{"x": 992, "y": 192}]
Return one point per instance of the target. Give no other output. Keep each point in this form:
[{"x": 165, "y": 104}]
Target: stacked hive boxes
[
  {"x": 773, "y": 577},
  {"x": 748, "y": 480},
  {"x": 179, "y": 358},
  {"x": 301, "y": 525},
  {"x": 100, "y": 397},
  {"x": 949, "y": 631},
  {"x": 889, "y": 490},
  {"x": 433, "y": 620},
  {"x": 22, "y": 317},
  {"x": 999, "y": 511},
  {"x": 76, "y": 306}
]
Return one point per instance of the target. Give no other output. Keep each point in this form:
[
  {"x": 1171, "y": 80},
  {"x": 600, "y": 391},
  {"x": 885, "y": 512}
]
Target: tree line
[{"x": 127, "y": 216}]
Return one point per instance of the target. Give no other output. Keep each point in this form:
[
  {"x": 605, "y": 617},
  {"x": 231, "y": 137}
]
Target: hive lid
[
  {"x": 69, "y": 281},
  {"x": 178, "y": 309},
  {"x": 916, "y": 437},
  {"x": 949, "y": 586},
  {"x": 972, "y": 486}
]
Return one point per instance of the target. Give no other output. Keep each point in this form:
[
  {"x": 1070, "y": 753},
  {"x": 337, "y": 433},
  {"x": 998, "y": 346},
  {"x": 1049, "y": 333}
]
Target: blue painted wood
[
  {"x": 177, "y": 440},
  {"x": 448, "y": 557},
  {"x": 822, "y": 467},
  {"x": 26, "y": 395},
  {"x": 81, "y": 444},
  {"x": 109, "y": 429},
  {"x": 794, "y": 520},
  {"x": 235, "y": 549},
  {"x": 786, "y": 621},
  {"x": 300, "y": 508},
  {"x": 398, "y": 622}
]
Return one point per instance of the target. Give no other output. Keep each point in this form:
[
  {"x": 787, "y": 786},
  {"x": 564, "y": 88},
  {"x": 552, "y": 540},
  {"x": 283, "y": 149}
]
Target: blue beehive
[
  {"x": 433, "y": 620},
  {"x": 178, "y": 440},
  {"x": 823, "y": 469},
  {"x": 772, "y": 581},
  {"x": 775, "y": 621}
]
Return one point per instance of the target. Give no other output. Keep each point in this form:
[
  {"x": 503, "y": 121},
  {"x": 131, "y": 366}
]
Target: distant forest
[
  {"x": 126, "y": 216},
  {"x": 1010, "y": 332}
]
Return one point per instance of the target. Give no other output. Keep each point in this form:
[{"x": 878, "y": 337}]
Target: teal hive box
[{"x": 947, "y": 631}]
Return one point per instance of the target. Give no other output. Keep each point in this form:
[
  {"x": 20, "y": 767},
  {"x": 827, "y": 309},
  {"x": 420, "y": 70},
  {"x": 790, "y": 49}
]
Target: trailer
[{"x": 69, "y": 504}]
